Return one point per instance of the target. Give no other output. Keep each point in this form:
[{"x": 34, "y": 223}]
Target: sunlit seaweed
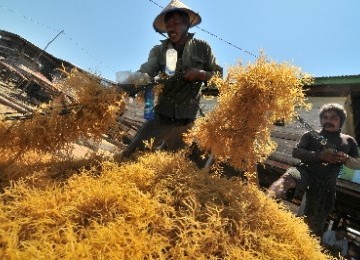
[
  {"x": 251, "y": 99},
  {"x": 85, "y": 112},
  {"x": 160, "y": 207}
]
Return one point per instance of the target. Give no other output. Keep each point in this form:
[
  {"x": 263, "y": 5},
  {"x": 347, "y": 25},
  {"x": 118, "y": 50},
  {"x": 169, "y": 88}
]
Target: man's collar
[
  {"x": 190, "y": 36},
  {"x": 330, "y": 132}
]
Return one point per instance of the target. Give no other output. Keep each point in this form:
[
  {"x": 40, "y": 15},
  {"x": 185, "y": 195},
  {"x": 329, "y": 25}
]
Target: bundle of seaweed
[
  {"x": 85, "y": 111},
  {"x": 251, "y": 99},
  {"x": 160, "y": 207}
]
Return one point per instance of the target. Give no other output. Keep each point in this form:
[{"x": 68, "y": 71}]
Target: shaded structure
[
  {"x": 344, "y": 90},
  {"x": 32, "y": 73}
]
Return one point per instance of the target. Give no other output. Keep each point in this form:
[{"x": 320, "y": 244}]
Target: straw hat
[{"x": 159, "y": 23}]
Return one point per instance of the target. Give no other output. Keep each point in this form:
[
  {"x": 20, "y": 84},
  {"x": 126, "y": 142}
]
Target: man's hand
[
  {"x": 332, "y": 156},
  {"x": 195, "y": 74}
]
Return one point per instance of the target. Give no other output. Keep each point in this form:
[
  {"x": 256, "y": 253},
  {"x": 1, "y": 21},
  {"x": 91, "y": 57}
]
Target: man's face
[
  {"x": 330, "y": 121},
  {"x": 176, "y": 28}
]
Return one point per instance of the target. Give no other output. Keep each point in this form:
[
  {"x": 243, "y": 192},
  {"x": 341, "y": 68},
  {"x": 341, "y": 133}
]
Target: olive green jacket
[{"x": 179, "y": 99}]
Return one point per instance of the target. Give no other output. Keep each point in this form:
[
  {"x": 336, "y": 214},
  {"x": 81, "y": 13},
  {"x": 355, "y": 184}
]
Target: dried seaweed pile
[
  {"x": 160, "y": 207},
  {"x": 251, "y": 99},
  {"x": 86, "y": 111}
]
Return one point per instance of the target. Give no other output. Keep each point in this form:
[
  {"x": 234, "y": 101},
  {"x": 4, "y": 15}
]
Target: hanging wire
[
  {"x": 156, "y": 3},
  {"x": 214, "y": 35},
  {"x": 77, "y": 44},
  {"x": 233, "y": 45},
  {"x": 101, "y": 62}
]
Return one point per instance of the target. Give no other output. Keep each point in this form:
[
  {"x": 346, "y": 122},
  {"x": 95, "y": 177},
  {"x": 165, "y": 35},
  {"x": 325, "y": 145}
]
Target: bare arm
[
  {"x": 353, "y": 163},
  {"x": 353, "y": 157}
]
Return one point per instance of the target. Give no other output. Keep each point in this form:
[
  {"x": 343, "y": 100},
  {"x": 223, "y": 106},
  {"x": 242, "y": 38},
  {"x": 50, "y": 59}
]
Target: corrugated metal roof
[{"x": 4, "y": 33}]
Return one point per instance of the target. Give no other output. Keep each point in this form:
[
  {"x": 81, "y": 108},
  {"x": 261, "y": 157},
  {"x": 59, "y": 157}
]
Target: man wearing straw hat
[{"x": 189, "y": 63}]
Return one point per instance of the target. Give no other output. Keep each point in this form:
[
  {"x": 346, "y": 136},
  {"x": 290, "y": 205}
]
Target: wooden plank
[
  {"x": 276, "y": 164},
  {"x": 285, "y": 135},
  {"x": 284, "y": 158},
  {"x": 285, "y": 146}
]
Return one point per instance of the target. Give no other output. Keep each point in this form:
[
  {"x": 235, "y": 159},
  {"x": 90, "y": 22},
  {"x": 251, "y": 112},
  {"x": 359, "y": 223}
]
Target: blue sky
[{"x": 320, "y": 36}]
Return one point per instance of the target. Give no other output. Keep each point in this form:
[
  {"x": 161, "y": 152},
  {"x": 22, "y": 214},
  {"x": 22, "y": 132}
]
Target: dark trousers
[
  {"x": 165, "y": 132},
  {"x": 320, "y": 201}
]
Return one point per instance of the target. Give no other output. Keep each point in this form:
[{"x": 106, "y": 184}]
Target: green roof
[{"x": 350, "y": 79}]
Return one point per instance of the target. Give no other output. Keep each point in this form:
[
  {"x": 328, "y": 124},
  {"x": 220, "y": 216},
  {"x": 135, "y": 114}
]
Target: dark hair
[
  {"x": 339, "y": 109},
  {"x": 183, "y": 15}
]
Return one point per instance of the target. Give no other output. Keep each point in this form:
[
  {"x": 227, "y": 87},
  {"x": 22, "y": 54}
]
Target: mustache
[{"x": 328, "y": 125}]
